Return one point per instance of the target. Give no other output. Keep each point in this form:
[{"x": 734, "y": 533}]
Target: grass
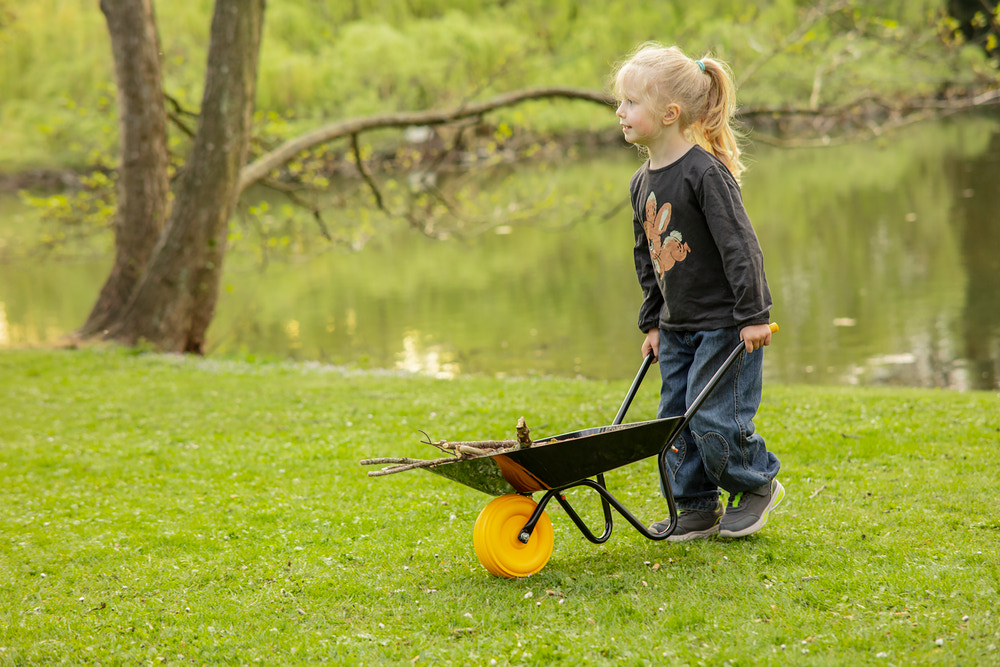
[{"x": 164, "y": 510}]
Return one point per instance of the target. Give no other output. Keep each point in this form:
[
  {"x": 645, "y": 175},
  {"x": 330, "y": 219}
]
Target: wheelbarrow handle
[
  {"x": 719, "y": 374},
  {"x": 600, "y": 485},
  {"x": 646, "y": 363}
]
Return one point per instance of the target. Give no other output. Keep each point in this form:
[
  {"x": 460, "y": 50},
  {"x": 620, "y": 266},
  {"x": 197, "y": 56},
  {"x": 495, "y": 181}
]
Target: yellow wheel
[{"x": 496, "y": 532}]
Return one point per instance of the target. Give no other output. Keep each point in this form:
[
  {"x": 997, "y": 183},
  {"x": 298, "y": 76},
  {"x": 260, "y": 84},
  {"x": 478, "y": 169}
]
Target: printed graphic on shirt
[{"x": 673, "y": 250}]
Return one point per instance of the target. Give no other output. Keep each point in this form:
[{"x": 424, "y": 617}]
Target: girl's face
[{"x": 639, "y": 121}]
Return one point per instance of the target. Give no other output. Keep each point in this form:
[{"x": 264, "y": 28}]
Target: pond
[{"x": 883, "y": 259}]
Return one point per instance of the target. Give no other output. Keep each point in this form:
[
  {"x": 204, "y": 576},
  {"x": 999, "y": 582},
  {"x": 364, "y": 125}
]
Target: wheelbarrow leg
[
  {"x": 607, "y": 500},
  {"x": 605, "y": 505},
  {"x": 611, "y": 501}
]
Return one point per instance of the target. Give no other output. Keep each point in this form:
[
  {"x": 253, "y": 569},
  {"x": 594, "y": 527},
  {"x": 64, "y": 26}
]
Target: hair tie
[{"x": 700, "y": 64}]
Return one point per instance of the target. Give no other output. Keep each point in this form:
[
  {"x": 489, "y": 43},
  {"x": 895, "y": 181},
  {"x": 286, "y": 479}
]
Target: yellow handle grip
[{"x": 774, "y": 327}]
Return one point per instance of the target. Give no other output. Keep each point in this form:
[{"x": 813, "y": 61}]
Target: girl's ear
[{"x": 672, "y": 114}]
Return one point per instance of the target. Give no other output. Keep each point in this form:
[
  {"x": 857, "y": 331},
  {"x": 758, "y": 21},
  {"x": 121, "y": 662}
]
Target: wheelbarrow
[{"x": 513, "y": 535}]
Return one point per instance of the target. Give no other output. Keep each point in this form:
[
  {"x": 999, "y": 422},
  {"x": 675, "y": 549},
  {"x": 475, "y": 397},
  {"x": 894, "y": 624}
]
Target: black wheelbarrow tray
[{"x": 513, "y": 535}]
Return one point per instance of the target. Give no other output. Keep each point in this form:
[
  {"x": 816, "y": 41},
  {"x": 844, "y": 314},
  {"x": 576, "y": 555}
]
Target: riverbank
[{"x": 177, "y": 509}]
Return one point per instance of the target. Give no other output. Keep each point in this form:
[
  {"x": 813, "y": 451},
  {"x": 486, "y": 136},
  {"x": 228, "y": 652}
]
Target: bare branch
[
  {"x": 459, "y": 451},
  {"x": 292, "y": 194},
  {"x": 356, "y": 149},
  {"x": 263, "y": 165},
  {"x": 898, "y": 116},
  {"x": 175, "y": 115},
  {"x": 903, "y": 117},
  {"x": 405, "y": 464}
]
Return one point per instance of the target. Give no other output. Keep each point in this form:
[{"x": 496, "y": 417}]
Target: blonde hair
[{"x": 703, "y": 89}]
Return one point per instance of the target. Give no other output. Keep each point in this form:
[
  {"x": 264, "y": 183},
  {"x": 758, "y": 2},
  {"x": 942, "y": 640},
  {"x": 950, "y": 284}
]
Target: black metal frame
[{"x": 608, "y": 501}]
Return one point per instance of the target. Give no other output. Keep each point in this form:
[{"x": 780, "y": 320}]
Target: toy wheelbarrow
[{"x": 513, "y": 535}]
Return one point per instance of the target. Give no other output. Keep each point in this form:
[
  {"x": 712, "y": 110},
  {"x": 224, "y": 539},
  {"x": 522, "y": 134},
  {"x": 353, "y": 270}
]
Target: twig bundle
[{"x": 456, "y": 451}]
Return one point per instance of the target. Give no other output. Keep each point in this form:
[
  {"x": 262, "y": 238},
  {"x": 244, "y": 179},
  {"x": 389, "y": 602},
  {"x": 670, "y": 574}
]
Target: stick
[
  {"x": 408, "y": 466},
  {"x": 387, "y": 459},
  {"x": 480, "y": 444},
  {"x": 523, "y": 439},
  {"x": 817, "y": 492}
]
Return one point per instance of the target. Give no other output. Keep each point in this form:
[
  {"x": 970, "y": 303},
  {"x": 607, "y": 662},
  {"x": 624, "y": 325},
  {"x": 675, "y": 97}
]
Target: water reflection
[
  {"x": 874, "y": 262},
  {"x": 431, "y": 360},
  {"x": 27, "y": 333},
  {"x": 292, "y": 331},
  {"x": 4, "y": 329},
  {"x": 976, "y": 216},
  {"x": 884, "y": 260}
]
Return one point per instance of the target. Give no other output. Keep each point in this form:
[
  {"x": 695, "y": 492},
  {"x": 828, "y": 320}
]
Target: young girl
[{"x": 701, "y": 271}]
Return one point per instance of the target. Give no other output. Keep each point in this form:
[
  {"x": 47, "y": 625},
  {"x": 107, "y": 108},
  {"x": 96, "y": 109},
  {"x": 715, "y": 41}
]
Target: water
[{"x": 883, "y": 259}]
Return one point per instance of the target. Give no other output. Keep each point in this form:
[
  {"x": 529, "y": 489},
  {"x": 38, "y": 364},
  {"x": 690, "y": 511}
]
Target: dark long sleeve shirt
[{"x": 697, "y": 257}]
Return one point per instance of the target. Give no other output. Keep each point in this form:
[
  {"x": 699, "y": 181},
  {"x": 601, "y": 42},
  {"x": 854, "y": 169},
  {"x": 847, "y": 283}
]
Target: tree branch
[
  {"x": 458, "y": 451},
  {"x": 175, "y": 115},
  {"x": 294, "y": 197},
  {"x": 906, "y": 115},
  {"x": 360, "y": 163},
  {"x": 263, "y": 165}
]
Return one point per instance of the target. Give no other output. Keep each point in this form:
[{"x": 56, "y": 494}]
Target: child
[{"x": 701, "y": 271}]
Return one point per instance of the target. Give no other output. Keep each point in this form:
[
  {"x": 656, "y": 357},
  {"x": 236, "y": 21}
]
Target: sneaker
[
  {"x": 747, "y": 512},
  {"x": 691, "y": 525}
]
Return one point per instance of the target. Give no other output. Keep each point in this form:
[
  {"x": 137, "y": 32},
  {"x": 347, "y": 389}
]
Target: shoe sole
[
  {"x": 695, "y": 535},
  {"x": 757, "y": 525}
]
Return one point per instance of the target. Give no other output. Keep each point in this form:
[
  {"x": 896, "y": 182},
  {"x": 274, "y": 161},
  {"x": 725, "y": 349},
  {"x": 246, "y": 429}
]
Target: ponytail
[{"x": 714, "y": 129}]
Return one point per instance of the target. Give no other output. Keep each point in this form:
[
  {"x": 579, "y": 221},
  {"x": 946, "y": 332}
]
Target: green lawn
[{"x": 166, "y": 510}]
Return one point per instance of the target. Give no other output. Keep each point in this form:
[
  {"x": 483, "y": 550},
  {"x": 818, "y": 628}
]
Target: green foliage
[
  {"x": 77, "y": 217},
  {"x": 216, "y": 513},
  {"x": 331, "y": 60},
  {"x": 424, "y": 64},
  {"x": 977, "y": 21}
]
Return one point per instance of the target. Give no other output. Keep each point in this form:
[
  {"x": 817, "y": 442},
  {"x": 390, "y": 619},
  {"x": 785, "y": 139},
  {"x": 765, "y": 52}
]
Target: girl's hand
[
  {"x": 756, "y": 336},
  {"x": 651, "y": 344}
]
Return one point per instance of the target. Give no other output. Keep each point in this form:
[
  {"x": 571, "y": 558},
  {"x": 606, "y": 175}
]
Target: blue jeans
[{"x": 719, "y": 448}]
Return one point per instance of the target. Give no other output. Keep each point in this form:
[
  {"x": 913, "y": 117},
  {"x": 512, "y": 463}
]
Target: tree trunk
[
  {"x": 175, "y": 299},
  {"x": 143, "y": 182}
]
